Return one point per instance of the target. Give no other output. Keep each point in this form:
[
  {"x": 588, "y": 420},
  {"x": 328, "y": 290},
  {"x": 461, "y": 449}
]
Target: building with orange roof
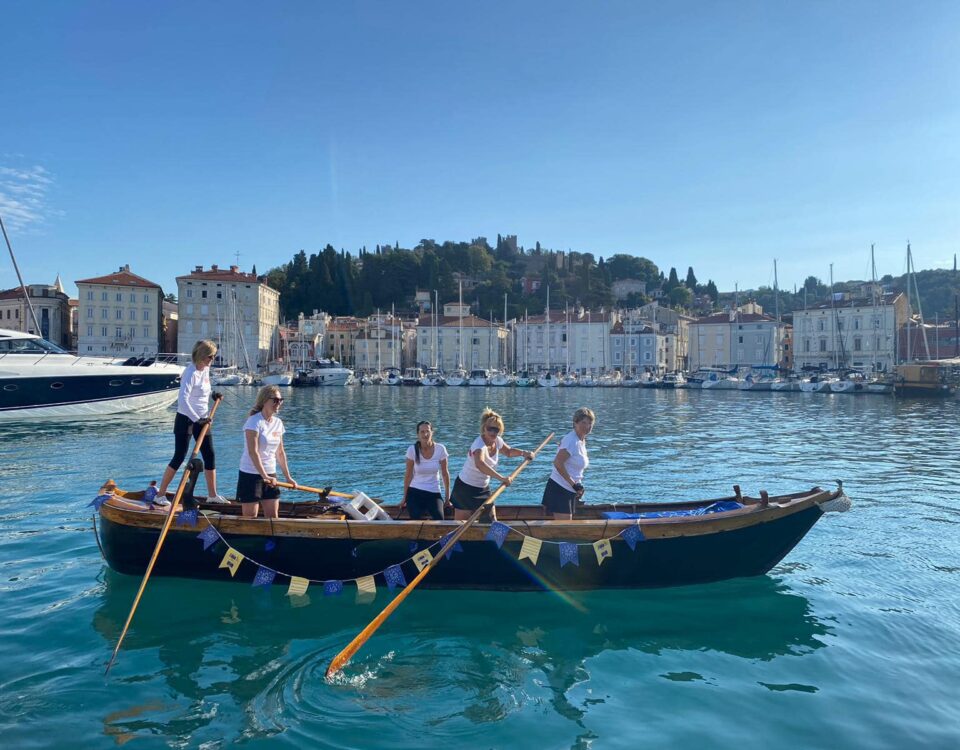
[
  {"x": 51, "y": 304},
  {"x": 119, "y": 315},
  {"x": 237, "y": 310}
]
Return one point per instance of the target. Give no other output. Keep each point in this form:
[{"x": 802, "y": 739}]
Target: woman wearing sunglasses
[
  {"x": 262, "y": 451},
  {"x": 472, "y": 487}
]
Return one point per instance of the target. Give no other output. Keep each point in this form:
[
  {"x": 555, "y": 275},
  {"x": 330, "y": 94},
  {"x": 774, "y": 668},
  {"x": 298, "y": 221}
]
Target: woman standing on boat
[
  {"x": 192, "y": 409},
  {"x": 426, "y": 464},
  {"x": 262, "y": 451},
  {"x": 565, "y": 485},
  {"x": 472, "y": 487}
]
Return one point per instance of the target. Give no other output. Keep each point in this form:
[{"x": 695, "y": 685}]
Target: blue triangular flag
[
  {"x": 264, "y": 576},
  {"x": 209, "y": 535},
  {"x": 632, "y": 535},
  {"x": 394, "y": 576},
  {"x": 498, "y": 533},
  {"x": 414, "y": 547},
  {"x": 332, "y": 588},
  {"x": 455, "y": 548},
  {"x": 188, "y": 518},
  {"x": 270, "y": 545},
  {"x": 98, "y": 501},
  {"x": 569, "y": 553}
]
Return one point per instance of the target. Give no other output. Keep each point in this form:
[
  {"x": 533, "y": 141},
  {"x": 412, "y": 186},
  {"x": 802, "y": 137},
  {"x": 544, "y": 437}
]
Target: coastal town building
[
  {"x": 484, "y": 345},
  {"x": 238, "y": 310},
  {"x": 120, "y": 315},
  {"x": 305, "y": 343},
  {"x": 850, "y": 331},
  {"x": 740, "y": 337},
  {"x": 579, "y": 337},
  {"x": 171, "y": 326},
  {"x": 51, "y": 304},
  {"x": 339, "y": 337}
]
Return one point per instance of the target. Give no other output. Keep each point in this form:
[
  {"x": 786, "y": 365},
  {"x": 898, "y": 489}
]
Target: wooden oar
[
  {"x": 344, "y": 656},
  {"x": 163, "y": 533},
  {"x": 314, "y": 490}
]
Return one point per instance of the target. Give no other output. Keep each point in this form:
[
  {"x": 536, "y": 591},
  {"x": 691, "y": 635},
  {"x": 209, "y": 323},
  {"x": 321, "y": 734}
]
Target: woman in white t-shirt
[
  {"x": 262, "y": 451},
  {"x": 472, "y": 487},
  {"x": 565, "y": 485},
  {"x": 426, "y": 464},
  {"x": 192, "y": 409}
]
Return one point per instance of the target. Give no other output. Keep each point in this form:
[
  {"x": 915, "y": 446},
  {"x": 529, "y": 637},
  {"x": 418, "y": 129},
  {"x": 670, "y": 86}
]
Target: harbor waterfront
[{"x": 855, "y": 630}]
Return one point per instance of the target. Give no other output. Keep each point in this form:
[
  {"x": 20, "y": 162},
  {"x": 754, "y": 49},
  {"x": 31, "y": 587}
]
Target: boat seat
[{"x": 362, "y": 508}]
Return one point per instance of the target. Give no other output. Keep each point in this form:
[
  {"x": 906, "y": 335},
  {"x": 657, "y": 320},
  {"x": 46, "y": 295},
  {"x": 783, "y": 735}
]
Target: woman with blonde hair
[
  {"x": 262, "y": 451},
  {"x": 193, "y": 405},
  {"x": 565, "y": 485},
  {"x": 472, "y": 487}
]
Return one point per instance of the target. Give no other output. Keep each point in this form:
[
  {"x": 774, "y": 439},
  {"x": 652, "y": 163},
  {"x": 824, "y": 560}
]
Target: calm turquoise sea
[{"x": 852, "y": 642}]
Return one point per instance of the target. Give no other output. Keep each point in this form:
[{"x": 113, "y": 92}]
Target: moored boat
[
  {"x": 412, "y": 376},
  {"x": 627, "y": 545}
]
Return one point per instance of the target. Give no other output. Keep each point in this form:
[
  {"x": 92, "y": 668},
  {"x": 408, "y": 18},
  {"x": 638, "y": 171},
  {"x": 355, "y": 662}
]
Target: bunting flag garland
[
  {"x": 264, "y": 576},
  {"x": 98, "y": 501},
  {"x": 332, "y": 588},
  {"x": 604, "y": 549},
  {"x": 530, "y": 549},
  {"x": 422, "y": 559},
  {"x": 188, "y": 518},
  {"x": 569, "y": 553},
  {"x": 456, "y": 545},
  {"x": 209, "y": 535},
  {"x": 298, "y": 586},
  {"x": 632, "y": 535},
  {"x": 498, "y": 533},
  {"x": 366, "y": 587},
  {"x": 231, "y": 561},
  {"x": 394, "y": 576}
]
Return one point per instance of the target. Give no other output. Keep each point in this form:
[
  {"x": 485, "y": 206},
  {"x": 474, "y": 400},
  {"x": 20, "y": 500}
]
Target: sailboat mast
[
  {"x": 26, "y": 295},
  {"x": 912, "y": 272},
  {"x": 548, "y": 329},
  {"x": 835, "y": 326},
  {"x": 460, "y": 342}
]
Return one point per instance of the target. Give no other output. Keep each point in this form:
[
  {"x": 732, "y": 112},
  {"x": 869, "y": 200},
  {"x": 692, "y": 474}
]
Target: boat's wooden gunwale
[{"x": 576, "y": 530}]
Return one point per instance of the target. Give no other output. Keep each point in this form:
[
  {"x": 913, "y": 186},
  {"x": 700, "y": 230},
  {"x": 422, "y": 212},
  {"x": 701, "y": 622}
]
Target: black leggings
[
  {"x": 423, "y": 504},
  {"x": 181, "y": 434}
]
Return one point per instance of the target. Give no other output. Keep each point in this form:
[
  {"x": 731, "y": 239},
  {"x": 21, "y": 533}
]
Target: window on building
[
  {"x": 856, "y": 324},
  {"x": 146, "y": 297},
  {"x": 133, "y": 297},
  {"x": 118, "y": 332},
  {"x": 739, "y": 339},
  {"x": 104, "y": 313},
  {"x": 90, "y": 294},
  {"x": 133, "y": 332},
  {"x": 146, "y": 315},
  {"x": 203, "y": 293},
  {"x": 189, "y": 293},
  {"x": 857, "y": 344},
  {"x": 103, "y": 296},
  {"x": 119, "y": 296},
  {"x": 89, "y": 330},
  {"x": 819, "y": 325},
  {"x": 806, "y": 345},
  {"x": 204, "y": 309},
  {"x": 89, "y": 313},
  {"x": 219, "y": 295},
  {"x": 119, "y": 313},
  {"x": 103, "y": 331},
  {"x": 476, "y": 341},
  {"x": 146, "y": 332},
  {"x": 133, "y": 314},
  {"x": 647, "y": 357},
  {"x": 823, "y": 345}
]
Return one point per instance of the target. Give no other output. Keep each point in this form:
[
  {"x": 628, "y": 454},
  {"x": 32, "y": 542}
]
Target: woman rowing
[
  {"x": 193, "y": 405},
  {"x": 262, "y": 451},
  {"x": 565, "y": 485},
  {"x": 426, "y": 464},
  {"x": 472, "y": 487}
]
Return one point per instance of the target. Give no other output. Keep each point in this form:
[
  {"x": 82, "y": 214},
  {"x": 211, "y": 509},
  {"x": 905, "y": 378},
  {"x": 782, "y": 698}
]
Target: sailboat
[
  {"x": 569, "y": 379},
  {"x": 434, "y": 375},
  {"x": 459, "y": 376},
  {"x": 524, "y": 378},
  {"x": 548, "y": 378}
]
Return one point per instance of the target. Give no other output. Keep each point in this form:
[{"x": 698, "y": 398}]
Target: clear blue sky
[{"x": 720, "y": 135}]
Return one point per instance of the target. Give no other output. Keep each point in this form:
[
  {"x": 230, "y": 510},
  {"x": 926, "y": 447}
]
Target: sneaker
[
  {"x": 160, "y": 502},
  {"x": 218, "y": 500}
]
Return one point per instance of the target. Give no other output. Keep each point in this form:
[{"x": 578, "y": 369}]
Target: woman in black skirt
[{"x": 565, "y": 485}]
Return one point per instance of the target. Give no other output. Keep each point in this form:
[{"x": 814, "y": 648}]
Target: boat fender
[
  {"x": 361, "y": 508},
  {"x": 840, "y": 504}
]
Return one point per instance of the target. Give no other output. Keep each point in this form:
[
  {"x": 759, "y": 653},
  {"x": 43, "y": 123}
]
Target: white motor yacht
[
  {"x": 412, "y": 376},
  {"x": 673, "y": 380},
  {"x": 391, "y": 376},
  {"x": 478, "y": 377},
  {"x": 327, "y": 372},
  {"x": 852, "y": 382},
  {"x": 38, "y": 379}
]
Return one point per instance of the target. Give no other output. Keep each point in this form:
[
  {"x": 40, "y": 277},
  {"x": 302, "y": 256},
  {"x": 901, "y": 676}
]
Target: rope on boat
[{"x": 96, "y": 535}]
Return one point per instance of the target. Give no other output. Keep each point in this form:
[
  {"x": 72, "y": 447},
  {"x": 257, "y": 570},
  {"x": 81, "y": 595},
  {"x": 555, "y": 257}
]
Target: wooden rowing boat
[{"x": 667, "y": 545}]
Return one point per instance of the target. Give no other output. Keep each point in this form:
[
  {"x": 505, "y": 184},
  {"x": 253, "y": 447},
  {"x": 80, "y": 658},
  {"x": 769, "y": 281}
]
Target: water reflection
[{"x": 475, "y": 656}]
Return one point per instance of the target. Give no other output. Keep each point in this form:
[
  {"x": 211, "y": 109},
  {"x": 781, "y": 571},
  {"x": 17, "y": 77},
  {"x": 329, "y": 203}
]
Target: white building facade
[
  {"x": 735, "y": 339},
  {"x": 119, "y": 315},
  {"x": 235, "y": 309},
  {"x": 859, "y": 332},
  {"x": 484, "y": 345}
]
